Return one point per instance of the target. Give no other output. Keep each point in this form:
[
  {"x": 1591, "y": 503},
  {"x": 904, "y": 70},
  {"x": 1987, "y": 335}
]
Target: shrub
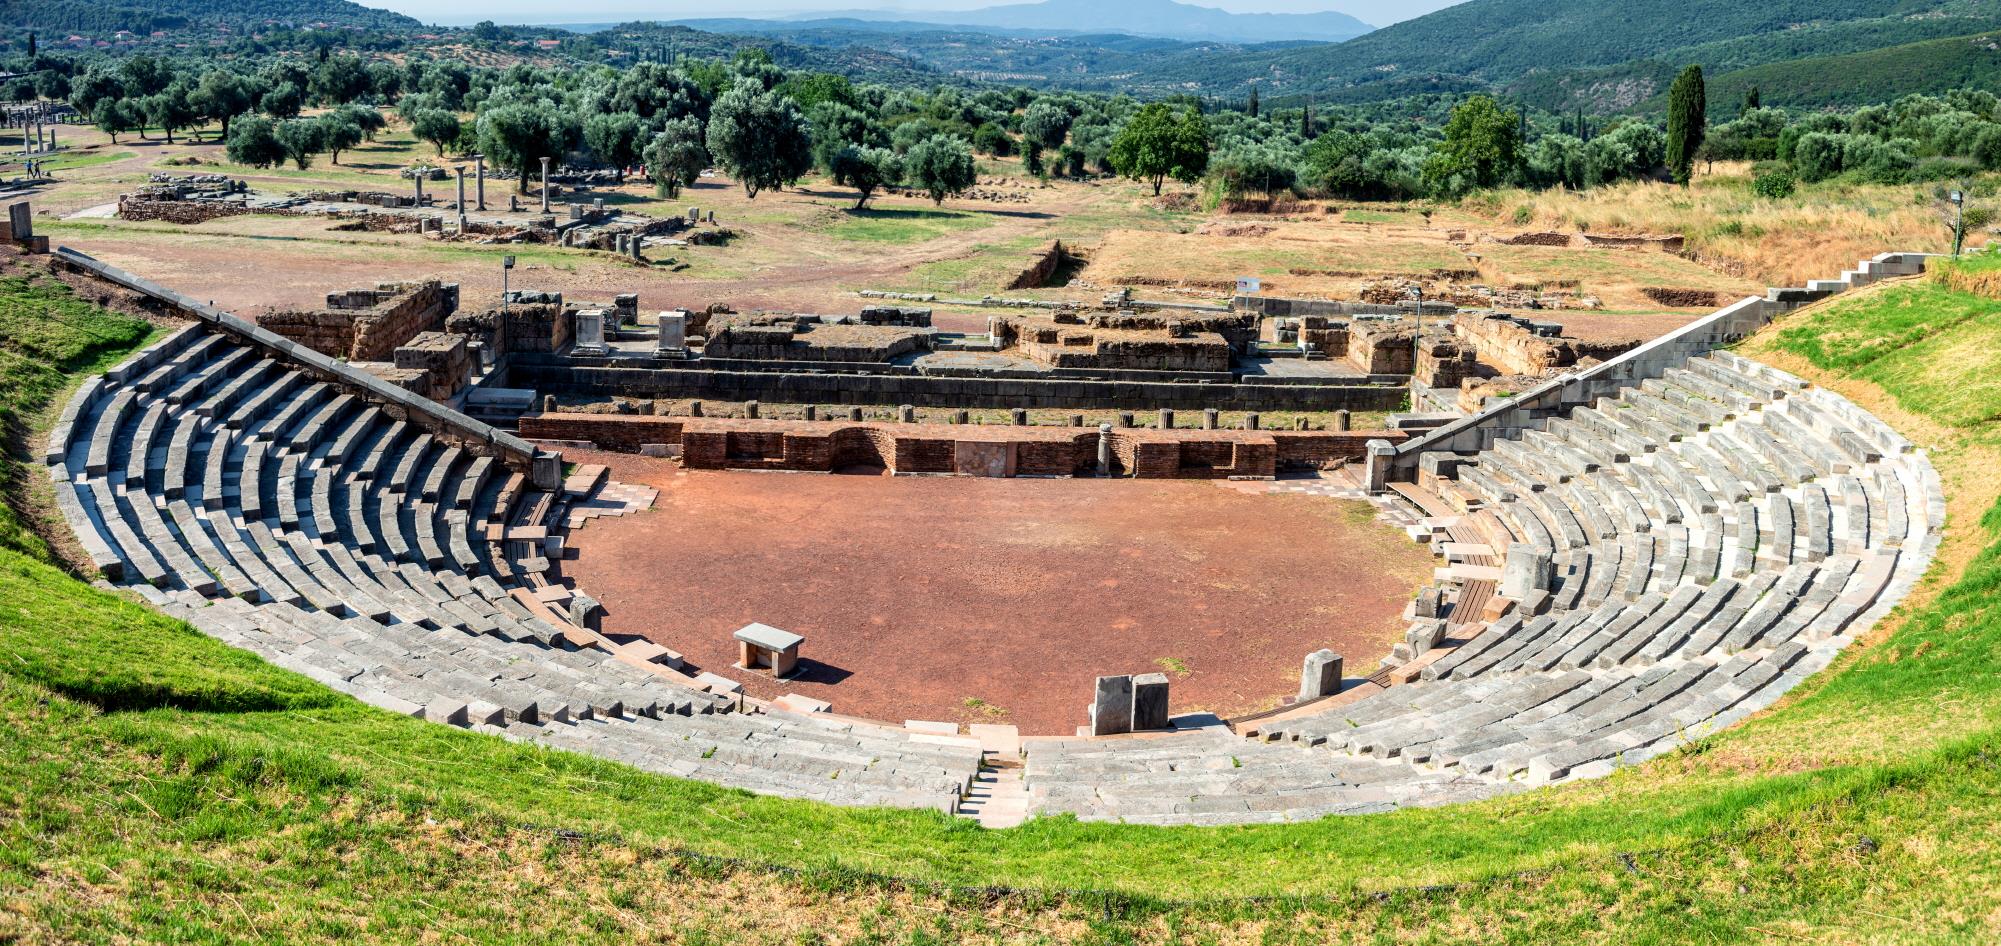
[{"x": 1775, "y": 185}]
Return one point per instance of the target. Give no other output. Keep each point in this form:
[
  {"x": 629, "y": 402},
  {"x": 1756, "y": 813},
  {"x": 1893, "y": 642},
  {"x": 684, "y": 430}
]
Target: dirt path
[{"x": 999, "y": 600}]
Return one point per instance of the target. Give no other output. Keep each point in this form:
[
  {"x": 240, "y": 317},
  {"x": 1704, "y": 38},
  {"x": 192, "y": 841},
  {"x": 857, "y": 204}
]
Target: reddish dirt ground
[{"x": 981, "y": 600}]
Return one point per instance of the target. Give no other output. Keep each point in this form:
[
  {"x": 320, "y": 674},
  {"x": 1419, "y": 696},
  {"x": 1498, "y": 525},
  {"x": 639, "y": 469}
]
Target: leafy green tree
[
  {"x": 1031, "y": 158},
  {"x": 284, "y": 100},
  {"x": 941, "y": 166},
  {"x": 1154, "y": 146},
  {"x": 867, "y": 170},
  {"x": 300, "y": 139},
  {"x": 1262, "y": 169},
  {"x": 95, "y": 85},
  {"x": 437, "y": 126},
  {"x": 836, "y": 126},
  {"x": 340, "y": 80},
  {"x": 993, "y": 140},
  {"x": 1687, "y": 122},
  {"x": 169, "y": 110},
  {"x": 221, "y": 95},
  {"x": 339, "y": 131},
  {"x": 1048, "y": 123},
  {"x": 369, "y": 119},
  {"x": 385, "y": 81},
  {"x": 1482, "y": 147},
  {"x": 652, "y": 90},
  {"x": 113, "y": 116},
  {"x": 519, "y": 134},
  {"x": 759, "y": 137},
  {"x": 616, "y": 139},
  {"x": 676, "y": 156}
]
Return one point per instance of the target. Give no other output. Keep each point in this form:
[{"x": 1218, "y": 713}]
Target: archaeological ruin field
[{"x": 401, "y": 548}]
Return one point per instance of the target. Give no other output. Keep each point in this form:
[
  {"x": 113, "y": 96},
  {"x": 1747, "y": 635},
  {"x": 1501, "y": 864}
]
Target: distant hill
[
  {"x": 146, "y": 16},
  {"x": 1091, "y": 61},
  {"x": 1878, "y": 75},
  {"x": 1497, "y": 42},
  {"x": 1163, "y": 18}
]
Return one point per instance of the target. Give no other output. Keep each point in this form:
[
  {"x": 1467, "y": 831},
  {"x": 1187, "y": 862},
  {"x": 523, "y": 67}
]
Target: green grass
[
  {"x": 74, "y": 161},
  {"x": 901, "y": 226},
  {"x": 156, "y": 785},
  {"x": 1928, "y": 345}
]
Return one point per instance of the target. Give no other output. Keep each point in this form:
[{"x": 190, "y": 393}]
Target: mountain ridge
[{"x": 1163, "y": 18}]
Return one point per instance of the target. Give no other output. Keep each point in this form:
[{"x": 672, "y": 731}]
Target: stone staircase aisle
[{"x": 998, "y": 797}]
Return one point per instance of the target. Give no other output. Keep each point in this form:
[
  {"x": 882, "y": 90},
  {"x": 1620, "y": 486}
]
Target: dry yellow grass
[{"x": 1815, "y": 234}]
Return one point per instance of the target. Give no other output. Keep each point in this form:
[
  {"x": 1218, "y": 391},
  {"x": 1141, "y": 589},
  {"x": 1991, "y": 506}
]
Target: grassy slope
[{"x": 156, "y": 785}]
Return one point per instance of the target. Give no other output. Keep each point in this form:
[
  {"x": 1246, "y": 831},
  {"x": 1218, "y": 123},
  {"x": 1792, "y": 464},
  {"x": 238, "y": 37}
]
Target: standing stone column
[
  {"x": 1209, "y": 418},
  {"x": 906, "y": 414},
  {"x": 1381, "y": 454},
  {"x": 1104, "y": 449},
  {"x": 750, "y": 409},
  {"x": 1166, "y": 419},
  {"x": 479, "y": 163},
  {"x": 1020, "y": 417},
  {"x": 1150, "y": 710},
  {"x": 1112, "y": 706},
  {"x": 1341, "y": 421},
  {"x": 417, "y": 174},
  {"x": 1321, "y": 676},
  {"x": 854, "y": 414},
  {"x": 462, "y": 199},
  {"x": 545, "y": 185},
  {"x": 1251, "y": 421}
]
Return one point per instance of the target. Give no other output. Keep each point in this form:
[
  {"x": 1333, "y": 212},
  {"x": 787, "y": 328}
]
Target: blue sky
[{"x": 1379, "y": 12}]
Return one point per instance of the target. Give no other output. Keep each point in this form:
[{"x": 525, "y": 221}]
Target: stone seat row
[
  {"x": 1718, "y": 534},
  {"x": 295, "y": 519}
]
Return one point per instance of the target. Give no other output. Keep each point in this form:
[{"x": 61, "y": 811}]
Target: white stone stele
[
  {"x": 673, "y": 330},
  {"x": 590, "y": 331}
]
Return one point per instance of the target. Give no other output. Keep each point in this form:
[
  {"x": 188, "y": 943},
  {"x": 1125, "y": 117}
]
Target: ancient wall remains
[
  {"x": 367, "y": 324},
  {"x": 444, "y": 359},
  {"x": 805, "y": 338},
  {"x": 1041, "y": 267},
  {"x": 823, "y": 446}
]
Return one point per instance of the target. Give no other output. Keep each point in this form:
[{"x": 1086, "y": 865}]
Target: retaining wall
[
  {"x": 566, "y": 376},
  {"x": 979, "y": 450}
]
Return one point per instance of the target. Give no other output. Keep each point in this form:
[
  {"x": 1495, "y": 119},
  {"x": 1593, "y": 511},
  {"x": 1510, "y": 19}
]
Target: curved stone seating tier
[
  {"x": 1718, "y": 534},
  {"x": 302, "y": 522}
]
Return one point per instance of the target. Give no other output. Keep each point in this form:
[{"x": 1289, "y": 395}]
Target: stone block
[
  {"x": 1321, "y": 675},
  {"x": 1150, "y": 705},
  {"x": 1112, "y": 706}
]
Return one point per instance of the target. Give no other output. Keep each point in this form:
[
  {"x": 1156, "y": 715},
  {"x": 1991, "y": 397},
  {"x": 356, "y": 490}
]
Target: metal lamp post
[{"x": 506, "y": 266}]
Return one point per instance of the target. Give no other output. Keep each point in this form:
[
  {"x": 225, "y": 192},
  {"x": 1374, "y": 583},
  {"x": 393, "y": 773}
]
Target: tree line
[{"x": 768, "y": 127}]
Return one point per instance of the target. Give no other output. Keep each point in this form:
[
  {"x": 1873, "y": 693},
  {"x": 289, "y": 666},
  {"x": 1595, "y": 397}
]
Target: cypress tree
[
  {"x": 1687, "y": 115},
  {"x": 1306, "y": 121},
  {"x": 1252, "y": 107},
  {"x": 33, "y": 48},
  {"x": 1750, "y": 102}
]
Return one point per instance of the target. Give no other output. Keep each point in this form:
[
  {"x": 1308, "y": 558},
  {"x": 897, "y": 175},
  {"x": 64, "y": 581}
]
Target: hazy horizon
[{"x": 450, "y": 12}]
